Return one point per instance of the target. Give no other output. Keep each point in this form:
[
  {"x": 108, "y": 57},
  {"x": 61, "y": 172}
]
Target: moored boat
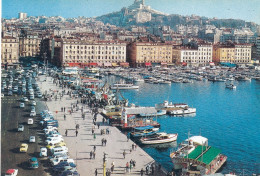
[
  {"x": 159, "y": 138},
  {"x": 144, "y": 131},
  {"x": 124, "y": 86},
  {"x": 183, "y": 111},
  {"x": 195, "y": 156}
]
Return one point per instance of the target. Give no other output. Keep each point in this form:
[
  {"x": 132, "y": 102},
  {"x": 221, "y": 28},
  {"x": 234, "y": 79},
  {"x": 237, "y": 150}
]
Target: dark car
[
  {"x": 69, "y": 173},
  {"x": 62, "y": 166}
]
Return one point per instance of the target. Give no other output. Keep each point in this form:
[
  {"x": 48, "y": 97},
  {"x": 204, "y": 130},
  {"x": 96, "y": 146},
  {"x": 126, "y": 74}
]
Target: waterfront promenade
[{"x": 81, "y": 146}]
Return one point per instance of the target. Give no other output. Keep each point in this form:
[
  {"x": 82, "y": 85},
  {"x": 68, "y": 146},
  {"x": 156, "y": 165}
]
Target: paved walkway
[{"x": 81, "y": 146}]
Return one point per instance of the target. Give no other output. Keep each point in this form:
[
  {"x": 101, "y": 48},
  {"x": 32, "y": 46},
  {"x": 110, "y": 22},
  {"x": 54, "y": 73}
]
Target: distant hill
[{"x": 142, "y": 15}]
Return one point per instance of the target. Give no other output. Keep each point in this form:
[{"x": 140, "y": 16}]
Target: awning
[
  {"x": 124, "y": 64},
  {"x": 164, "y": 63},
  {"x": 148, "y": 64},
  {"x": 184, "y": 64},
  {"x": 212, "y": 63},
  {"x": 74, "y": 64},
  {"x": 100, "y": 64},
  {"x": 93, "y": 64},
  {"x": 107, "y": 64},
  {"x": 115, "y": 65}
]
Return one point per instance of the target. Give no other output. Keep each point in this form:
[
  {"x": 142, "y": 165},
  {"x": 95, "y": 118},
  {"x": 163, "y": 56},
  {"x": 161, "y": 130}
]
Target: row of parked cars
[{"x": 56, "y": 149}]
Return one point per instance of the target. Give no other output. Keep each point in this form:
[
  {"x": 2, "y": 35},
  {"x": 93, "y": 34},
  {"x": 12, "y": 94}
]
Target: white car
[
  {"x": 32, "y": 139},
  {"x": 53, "y": 140},
  {"x": 33, "y": 103},
  {"x": 25, "y": 99},
  {"x": 33, "y": 113},
  {"x": 20, "y": 128},
  {"x": 30, "y": 121},
  {"x": 21, "y": 105},
  {"x": 43, "y": 152}
]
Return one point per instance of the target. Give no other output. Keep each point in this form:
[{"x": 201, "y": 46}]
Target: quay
[{"x": 81, "y": 145}]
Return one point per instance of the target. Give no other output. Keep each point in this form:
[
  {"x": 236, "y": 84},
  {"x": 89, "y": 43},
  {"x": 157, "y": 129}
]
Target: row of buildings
[{"x": 71, "y": 52}]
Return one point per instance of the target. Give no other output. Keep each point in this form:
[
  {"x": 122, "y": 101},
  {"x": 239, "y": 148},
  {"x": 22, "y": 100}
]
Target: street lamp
[{"x": 104, "y": 164}]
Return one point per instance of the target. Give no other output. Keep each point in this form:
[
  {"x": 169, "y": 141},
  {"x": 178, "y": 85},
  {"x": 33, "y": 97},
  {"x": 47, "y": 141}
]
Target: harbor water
[{"x": 230, "y": 119}]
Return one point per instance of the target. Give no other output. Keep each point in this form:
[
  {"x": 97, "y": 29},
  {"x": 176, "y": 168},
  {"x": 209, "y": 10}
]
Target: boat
[
  {"x": 159, "y": 138},
  {"x": 195, "y": 156},
  {"x": 183, "y": 111},
  {"x": 124, "y": 86},
  {"x": 144, "y": 131},
  {"x": 158, "y": 113},
  {"x": 231, "y": 86},
  {"x": 166, "y": 105}
]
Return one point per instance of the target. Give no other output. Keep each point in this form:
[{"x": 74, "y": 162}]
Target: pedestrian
[
  {"x": 134, "y": 162},
  {"x": 94, "y": 136},
  {"x": 103, "y": 120},
  {"x": 94, "y": 155},
  {"x": 64, "y": 116},
  {"x": 133, "y": 146},
  {"x": 105, "y": 141},
  {"x": 127, "y": 167},
  {"x": 128, "y": 136},
  {"x": 102, "y": 141},
  {"x": 77, "y": 126},
  {"x": 61, "y": 109},
  {"x": 147, "y": 169},
  {"x": 96, "y": 172},
  {"x": 131, "y": 166},
  {"x": 77, "y": 133},
  {"x": 142, "y": 172},
  {"x": 112, "y": 168},
  {"x": 64, "y": 109},
  {"x": 98, "y": 125},
  {"x": 93, "y": 131},
  {"x": 90, "y": 155},
  {"x": 94, "y": 148},
  {"x": 124, "y": 153},
  {"x": 66, "y": 132},
  {"x": 152, "y": 169}
]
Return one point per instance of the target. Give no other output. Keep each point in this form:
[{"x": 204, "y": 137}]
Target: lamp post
[{"x": 104, "y": 164}]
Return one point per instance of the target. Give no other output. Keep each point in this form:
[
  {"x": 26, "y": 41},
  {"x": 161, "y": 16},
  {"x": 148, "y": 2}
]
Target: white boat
[
  {"x": 231, "y": 86},
  {"x": 183, "y": 111},
  {"x": 124, "y": 86},
  {"x": 159, "y": 138},
  {"x": 166, "y": 104}
]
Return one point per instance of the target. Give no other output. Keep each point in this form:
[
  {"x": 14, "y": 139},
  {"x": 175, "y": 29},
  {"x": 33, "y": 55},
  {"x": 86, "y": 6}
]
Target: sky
[{"x": 248, "y": 10}]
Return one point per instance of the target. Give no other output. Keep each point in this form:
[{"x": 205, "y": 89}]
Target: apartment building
[
  {"x": 9, "y": 50},
  {"x": 29, "y": 46},
  {"x": 233, "y": 53},
  {"x": 78, "y": 52},
  {"x": 144, "y": 53}
]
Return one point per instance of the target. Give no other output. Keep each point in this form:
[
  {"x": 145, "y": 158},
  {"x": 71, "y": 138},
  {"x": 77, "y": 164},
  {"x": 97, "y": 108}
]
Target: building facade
[
  {"x": 232, "y": 53},
  {"x": 9, "y": 50},
  {"x": 74, "y": 51},
  {"x": 29, "y": 46},
  {"x": 140, "y": 53}
]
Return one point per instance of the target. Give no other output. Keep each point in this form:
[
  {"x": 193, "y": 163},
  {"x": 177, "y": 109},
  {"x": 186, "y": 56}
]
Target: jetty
[{"x": 81, "y": 145}]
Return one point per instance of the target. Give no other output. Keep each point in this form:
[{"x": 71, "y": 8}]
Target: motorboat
[
  {"x": 183, "y": 111},
  {"x": 144, "y": 131},
  {"x": 231, "y": 86},
  {"x": 167, "y": 104},
  {"x": 159, "y": 138},
  {"x": 124, "y": 86}
]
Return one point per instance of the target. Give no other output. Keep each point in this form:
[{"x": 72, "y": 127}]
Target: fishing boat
[
  {"x": 183, "y": 111},
  {"x": 231, "y": 86},
  {"x": 144, "y": 131},
  {"x": 124, "y": 86},
  {"x": 159, "y": 138},
  {"x": 195, "y": 156}
]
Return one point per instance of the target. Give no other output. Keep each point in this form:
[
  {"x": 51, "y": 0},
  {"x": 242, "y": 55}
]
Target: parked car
[
  {"x": 64, "y": 165},
  {"x": 21, "y": 105},
  {"x": 24, "y": 147},
  {"x": 25, "y": 99},
  {"x": 33, "y": 163},
  {"x": 43, "y": 152},
  {"x": 69, "y": 173},
  {"x": 53, "y": 140},
  {"x": 60, "y": 144},
  {"x": 20, "y": 128},
  {"x": 32, "y": 139},
  {"x": 33, "y": 103},
  {"x": 30, "y": 121},
  {"x": 32, "y": 113},
  {"x": 11, "y": 172}
]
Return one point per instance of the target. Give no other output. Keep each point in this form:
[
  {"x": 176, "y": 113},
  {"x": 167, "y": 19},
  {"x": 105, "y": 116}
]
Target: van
[
  {"x": 58, "y": 160},
  {"x": 59, "y": 149}
]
